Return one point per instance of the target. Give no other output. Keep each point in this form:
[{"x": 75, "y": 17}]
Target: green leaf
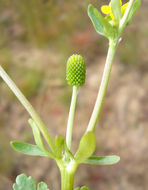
[
  {"x": 59, "y": 143},
  {"x": 102, "y": 160},
  {"x": 36, "y": 134},
  {"x": 38, "y": 138},
  {"x": 26, "y": 148},
  {"x": 84, "y": 188},
  {"x": 135, "y": 7},
  {"x": 96, "y": 19},
  {"x": 101, "y": 24},
  {"x": 28, "y": 183},
  {"x": 116, "y": 9},
  {"x": 42, "y": 186},
  {"x": 86, "y": 147},
  {"x": 24, "y": 183}
]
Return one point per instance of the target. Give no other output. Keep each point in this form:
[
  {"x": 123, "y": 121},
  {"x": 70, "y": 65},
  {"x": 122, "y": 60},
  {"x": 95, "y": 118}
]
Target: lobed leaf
[
  {"x": 86, "y": 147},
  {"x": 42, "y": 186},
  {"x": 28, "y": 183},
  {"x": 102, "y": 160},
  {"x": 28, "y": 149},
  {"x": 24, "y": 183}
]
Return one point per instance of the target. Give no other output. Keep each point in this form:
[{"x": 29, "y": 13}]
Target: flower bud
[{"x": 75, "y": 70}]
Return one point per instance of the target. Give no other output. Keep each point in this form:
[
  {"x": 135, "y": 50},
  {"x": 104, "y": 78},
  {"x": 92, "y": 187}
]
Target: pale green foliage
[
  {"x": 113, "y": 24},
  {"x": 28, "y": 183},
  {"x": 102, "y": 160},
  {"x": 101, "y": 25},
  {"x": 28, "y": 149},
  {"x": 59, "y": 143},
  {"x": 82, "y": 188},
  {"x": 86, "y": 147}
]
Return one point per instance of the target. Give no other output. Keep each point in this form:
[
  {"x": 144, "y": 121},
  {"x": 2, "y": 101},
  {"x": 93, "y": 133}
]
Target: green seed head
[{"x": 75, "y": 70}]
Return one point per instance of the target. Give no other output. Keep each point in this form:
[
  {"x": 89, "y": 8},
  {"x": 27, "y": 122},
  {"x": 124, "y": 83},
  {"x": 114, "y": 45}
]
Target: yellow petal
[
  {"x": 112, "y": 16},
  {"x": 120, "y": 2},
  {"x": 106, "y": 9},
  {"x": 123, "y": 8}
]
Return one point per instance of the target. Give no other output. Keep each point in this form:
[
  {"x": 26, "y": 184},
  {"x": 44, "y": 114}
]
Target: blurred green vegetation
[
  {"x": 40, "y": 21},
  {"x": 58, "y": 24},
  {"x": 28, "y": 80}
]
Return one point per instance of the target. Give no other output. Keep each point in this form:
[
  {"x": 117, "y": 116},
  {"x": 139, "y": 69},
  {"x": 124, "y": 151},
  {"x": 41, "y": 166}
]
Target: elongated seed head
[{"x": 75, "y": 70}]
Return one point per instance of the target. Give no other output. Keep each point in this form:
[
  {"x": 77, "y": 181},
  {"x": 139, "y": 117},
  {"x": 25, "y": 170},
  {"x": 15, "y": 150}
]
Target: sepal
[{"x": 101, "y": 24}]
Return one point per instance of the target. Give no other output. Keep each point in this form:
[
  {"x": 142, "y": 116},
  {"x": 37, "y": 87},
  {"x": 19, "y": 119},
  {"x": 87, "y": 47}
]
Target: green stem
[
  {"x": 103, "y": 87},
  {"x": 71, "y": 117},
  {"x": 125, "y": 17},
  {"x": 67, "y": 175},
  {"x": 28, "y": 107},
  {"x": 107, "y": 70},
  {"x": 67, "y": 180}
]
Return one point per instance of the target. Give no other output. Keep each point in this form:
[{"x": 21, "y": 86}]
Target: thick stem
[
  {"x": 67, "y": 174},
  {"x": 103, "y": 87},
  {"x": 67, "y": 180},
  {"x": 28, "y": 107},
  {"x": 71, "y": 117}
]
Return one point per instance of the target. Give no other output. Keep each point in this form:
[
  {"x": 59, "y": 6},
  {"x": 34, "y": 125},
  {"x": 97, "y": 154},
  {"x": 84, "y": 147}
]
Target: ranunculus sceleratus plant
[{"x": 110, "y": 23}]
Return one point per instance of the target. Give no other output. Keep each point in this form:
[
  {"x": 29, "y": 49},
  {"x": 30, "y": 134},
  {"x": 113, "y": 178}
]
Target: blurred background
[{"x": 36, "y": 39}]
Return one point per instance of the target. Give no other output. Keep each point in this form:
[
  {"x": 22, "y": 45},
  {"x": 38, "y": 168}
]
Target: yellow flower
[{"x": 106, "y": 9}]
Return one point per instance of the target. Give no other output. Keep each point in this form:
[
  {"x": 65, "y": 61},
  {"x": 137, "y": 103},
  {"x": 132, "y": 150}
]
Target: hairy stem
[{"x": 103, "y": 87}]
